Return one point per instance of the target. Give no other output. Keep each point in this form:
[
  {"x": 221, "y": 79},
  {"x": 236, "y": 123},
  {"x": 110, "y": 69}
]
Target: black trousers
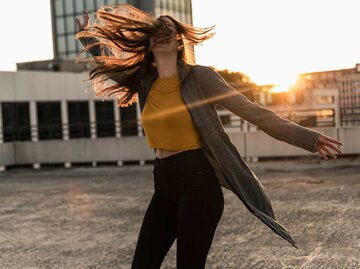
[{"x": 187, "y": 205}]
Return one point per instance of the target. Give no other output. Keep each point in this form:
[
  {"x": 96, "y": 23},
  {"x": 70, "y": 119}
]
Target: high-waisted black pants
[{"x": 187, "y": 205}]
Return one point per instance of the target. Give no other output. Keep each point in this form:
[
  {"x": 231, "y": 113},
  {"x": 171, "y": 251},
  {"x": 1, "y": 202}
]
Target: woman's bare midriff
[{"x": 163, "y": 153}]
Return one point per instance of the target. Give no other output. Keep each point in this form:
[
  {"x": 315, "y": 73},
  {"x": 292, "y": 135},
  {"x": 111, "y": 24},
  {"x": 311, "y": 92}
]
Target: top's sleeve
[{"x": 270, "y": 122}]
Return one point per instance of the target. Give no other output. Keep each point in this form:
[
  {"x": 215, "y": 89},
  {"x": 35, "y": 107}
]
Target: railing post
[
  {"x": 65, "y": 126},
  {"x": 92, "y": 122},
  {"x": 2, "y": 167},
  {"x": 34, "y": 131}
]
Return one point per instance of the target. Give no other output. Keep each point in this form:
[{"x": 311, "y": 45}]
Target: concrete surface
[{"x": 90, "y": 218}]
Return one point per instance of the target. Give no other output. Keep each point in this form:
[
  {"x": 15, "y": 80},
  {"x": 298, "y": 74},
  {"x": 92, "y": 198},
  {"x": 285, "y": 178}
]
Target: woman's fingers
[
  {"x": 330, "y": 144},
  {"x": 321, "y": 153},
  {"x": 86, "y": 18},
  {"x": 85, "y": 24},
  {"x": 78, "y": 23},
  {"x": 332, "y": 155},
  {"x": 329, "y": 138}
]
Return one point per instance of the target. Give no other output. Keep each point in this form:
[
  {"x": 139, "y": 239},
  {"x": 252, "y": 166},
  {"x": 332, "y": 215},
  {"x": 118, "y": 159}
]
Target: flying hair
[{"x": 122, "y": 34}]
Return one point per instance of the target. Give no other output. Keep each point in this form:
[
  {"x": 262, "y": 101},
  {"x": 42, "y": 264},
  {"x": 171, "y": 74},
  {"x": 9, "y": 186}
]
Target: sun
[{"x": 284, "y": 84}]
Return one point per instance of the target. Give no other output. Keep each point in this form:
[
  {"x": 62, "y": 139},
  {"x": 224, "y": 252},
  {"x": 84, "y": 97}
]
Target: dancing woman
[{"x": 147, "y": 59}]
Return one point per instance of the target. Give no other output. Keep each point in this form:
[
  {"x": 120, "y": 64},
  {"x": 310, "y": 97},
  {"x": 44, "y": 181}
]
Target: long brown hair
[{"x": 123, "y": 34}]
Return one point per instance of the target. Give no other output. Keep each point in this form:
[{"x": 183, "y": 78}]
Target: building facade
[
  {"x": 47, "y": 118},
  {"x": 65, "y": 11},
  {"x": 346, "y": 82}
]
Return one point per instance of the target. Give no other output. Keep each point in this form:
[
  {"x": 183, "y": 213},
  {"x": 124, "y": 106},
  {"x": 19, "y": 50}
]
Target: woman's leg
[
  {"x": 157, "y": 233},
  {"x": 198, "y": 215}
]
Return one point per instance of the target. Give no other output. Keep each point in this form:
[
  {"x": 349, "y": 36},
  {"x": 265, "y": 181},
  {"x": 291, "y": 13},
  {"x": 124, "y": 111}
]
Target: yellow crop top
[{"x": 165, "y": 118}]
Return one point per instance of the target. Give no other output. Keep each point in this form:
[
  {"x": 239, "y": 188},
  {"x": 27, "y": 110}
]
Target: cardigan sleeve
[{"x": 270, "y": 122}]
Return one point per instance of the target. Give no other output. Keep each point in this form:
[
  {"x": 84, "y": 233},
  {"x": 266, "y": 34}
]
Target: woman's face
[{"x": 164, "y": 42}]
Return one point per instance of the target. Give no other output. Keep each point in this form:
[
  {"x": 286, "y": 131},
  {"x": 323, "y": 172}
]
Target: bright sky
[{"x": 269, "y": 40}]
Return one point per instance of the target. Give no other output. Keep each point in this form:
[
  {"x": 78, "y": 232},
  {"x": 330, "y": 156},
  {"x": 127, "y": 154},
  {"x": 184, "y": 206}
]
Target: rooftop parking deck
[{"x": 90, "y": 218}]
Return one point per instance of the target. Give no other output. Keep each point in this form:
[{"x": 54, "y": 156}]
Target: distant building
[
  {"x": 46, "y": 100},
  {"x": 346, "y": 81},
  {"x": 65, "y": 11}
]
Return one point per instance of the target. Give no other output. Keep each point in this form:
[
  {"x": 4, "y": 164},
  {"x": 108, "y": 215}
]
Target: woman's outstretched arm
[{"x": 270, "y": 122}]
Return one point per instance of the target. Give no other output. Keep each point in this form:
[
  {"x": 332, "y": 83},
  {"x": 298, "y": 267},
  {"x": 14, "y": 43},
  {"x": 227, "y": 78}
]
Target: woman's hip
[{"x": 187, "y": 172}]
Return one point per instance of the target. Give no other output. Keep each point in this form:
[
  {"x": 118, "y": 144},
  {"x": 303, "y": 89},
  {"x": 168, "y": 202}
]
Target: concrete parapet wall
[
  {"x": 7, "y": 156},
  {"x": 249, "y": 144}
]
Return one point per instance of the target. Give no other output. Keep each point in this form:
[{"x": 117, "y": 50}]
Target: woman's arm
[{"x": 271, "y": 123}]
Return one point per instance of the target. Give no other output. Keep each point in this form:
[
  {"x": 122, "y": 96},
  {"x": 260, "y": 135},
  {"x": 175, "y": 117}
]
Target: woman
[{"x": 142, "y": 58}]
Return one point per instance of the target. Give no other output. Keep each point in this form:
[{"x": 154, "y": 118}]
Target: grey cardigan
[{"x": 201, "y": 89}]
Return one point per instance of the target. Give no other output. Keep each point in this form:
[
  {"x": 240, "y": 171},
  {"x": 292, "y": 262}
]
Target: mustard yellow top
[{"x": 165, "y": 118}]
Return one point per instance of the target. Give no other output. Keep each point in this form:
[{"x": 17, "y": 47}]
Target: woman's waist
[{"x": 164, "y": 155}]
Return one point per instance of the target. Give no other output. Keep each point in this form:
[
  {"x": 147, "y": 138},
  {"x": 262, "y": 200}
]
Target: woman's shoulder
[
  {"x": 201, "y": 68},
  {"x": 203, "y": 73}
]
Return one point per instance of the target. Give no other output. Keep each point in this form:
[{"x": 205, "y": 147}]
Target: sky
[{"x": 271, "y": 41}]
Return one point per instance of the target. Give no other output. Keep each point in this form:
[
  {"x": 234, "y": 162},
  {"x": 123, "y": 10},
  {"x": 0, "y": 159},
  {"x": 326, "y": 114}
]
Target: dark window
[
  {"x": 16, "y": 121},
  {"x": 128, "y": 121},
  {"x": 225, "y": 120},
  {"x": 49, "y": 120},
  {"x": 105, "y": 122},
  {"x": 79, "y": 123}
]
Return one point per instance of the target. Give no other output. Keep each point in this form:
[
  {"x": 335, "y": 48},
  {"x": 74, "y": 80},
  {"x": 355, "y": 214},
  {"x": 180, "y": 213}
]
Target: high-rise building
[{"x": 65, "y": 11}]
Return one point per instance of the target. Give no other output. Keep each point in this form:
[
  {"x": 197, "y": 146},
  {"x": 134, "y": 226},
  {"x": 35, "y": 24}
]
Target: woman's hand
[
  {"x": 324, "y": 144},
  {"x": 81, "y": 26}
]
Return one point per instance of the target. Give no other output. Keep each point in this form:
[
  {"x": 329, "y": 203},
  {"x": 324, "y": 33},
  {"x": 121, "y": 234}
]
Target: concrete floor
[{"x": 90, "y": 218}]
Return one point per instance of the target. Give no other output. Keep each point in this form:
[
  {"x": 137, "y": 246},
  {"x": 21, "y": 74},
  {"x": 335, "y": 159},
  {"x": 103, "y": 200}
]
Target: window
[
  {"x": 69, "y": 8},
  {"x": 79, "y": 123},
  {"x": 59, "y": 7},
  {"x": 105, "y": 122},
  {"x": 49, "y": 120},
  {"x": 99, "y": 4},
  {"x": 16, "y": 121},
  {"x": 225, "y": 120},
  {"x": 79, "y": 6},
  {"x": 61, "y": 44},
  {"x": 70, "y": 24},
  {"x": 89, "y": 5},
  {"x": 60, "y": 25},
  {"x": 71, "y": 43},
  {"x": 128, "y": 120}
]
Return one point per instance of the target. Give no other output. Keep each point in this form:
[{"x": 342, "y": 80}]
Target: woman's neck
[{"x": 166, "y": 66}]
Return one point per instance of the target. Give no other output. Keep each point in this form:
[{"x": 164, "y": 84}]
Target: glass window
[
  {"x": 70, "y": 24},
  {"x": 79, "y": 6},
  {"x": 61, "y": 44},
  {"x": 71, "y": 43},
  {"x": 60, "y": 29},
  {"x": 162, "y": 4},
  {"x": 89, "y": 5},
  {"x": 59, "y": 7},
  {"x": 105, "y": 121},
  {"x": 110, "y": 2},
  {"x": 99, "y": 4},
  {"x": 69, "y": 7},
  {"x": 49, "y": 120},
  {"x": 128, "y": 121},
  {"x": 79, "y": 123},
  {"x": 16, "y": 121},
  {"x": 71, "y": 55}
]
